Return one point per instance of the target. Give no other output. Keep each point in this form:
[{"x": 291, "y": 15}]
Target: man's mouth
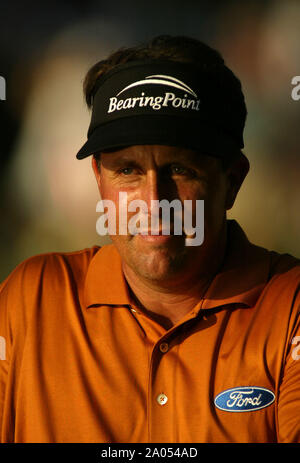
[{"x": 155, "y": 238}]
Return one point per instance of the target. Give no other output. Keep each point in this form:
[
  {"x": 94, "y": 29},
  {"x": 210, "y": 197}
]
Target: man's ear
[
  {"x": 96, "y": 170},
  {"x": 236, "y": 174}
]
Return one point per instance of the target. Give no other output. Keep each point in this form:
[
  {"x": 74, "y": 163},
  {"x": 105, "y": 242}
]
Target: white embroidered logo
[
  {"x": 156, "y": 102},
  {"x": 237, "y": 398},
  {"x": 161, "y": 79}
]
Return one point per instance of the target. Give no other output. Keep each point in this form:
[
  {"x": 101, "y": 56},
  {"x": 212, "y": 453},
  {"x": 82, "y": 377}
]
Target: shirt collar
[
  {"x": 105, "y": 283},
  {"x": 240, "y": 280},
  {"x": 243, "y": 275}
]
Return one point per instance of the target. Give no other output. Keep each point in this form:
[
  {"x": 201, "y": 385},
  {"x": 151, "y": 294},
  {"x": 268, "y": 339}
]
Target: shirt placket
[{"x": 162, "y": 397}]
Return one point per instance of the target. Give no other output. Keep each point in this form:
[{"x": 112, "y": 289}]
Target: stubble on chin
[{"x": 155, "y": 263}]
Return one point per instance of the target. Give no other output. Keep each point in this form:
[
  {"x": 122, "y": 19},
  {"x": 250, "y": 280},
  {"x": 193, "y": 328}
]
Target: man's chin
[
  {"x": 153, "y": 257},
  {"x": 157, "y": 260},
  {"x": 154, "y": 272}
]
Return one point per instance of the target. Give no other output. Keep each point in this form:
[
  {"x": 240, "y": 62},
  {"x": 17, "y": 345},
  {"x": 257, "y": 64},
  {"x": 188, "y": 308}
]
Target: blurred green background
[{"x": 48, "y": 198}]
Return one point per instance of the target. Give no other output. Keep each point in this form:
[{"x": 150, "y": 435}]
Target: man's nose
[{"x": 153, "y": 188}]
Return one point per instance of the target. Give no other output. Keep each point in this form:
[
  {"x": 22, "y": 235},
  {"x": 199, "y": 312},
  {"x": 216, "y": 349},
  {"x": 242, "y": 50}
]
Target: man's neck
[{"x": 167, "y": 308}]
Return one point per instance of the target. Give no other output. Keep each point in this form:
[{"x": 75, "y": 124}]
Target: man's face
[{"x": 156, "y": 172}]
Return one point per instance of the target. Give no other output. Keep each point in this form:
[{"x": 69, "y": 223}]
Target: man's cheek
[
  {"x": 121, "y": 242},
  {"x": 194, "y": 222}
]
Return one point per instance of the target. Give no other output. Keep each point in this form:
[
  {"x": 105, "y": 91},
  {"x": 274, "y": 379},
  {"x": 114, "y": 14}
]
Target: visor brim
[{"x": 160, "y": 130}]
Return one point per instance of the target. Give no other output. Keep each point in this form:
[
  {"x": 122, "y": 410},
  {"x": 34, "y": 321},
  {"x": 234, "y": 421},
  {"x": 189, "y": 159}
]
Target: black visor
[{"x": 166, "y": 103}]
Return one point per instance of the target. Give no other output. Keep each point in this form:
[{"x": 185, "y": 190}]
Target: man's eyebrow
[
  {"x": 194, "y": 159},
  {"x": 122, "y": 161}
]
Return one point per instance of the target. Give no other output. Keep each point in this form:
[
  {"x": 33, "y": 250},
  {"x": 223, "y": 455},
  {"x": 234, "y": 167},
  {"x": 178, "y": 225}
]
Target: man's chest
[{"x": 110, "y": 375}]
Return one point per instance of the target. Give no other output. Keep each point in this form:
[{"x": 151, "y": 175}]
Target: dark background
[{"x": 48, "y": 198}]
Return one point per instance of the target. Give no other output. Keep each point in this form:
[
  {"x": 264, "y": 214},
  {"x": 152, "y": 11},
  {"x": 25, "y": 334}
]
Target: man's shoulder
[
  {"x": 284, "y": 268},
  {"x": 251, "y": 265},
  {"x": 49, "y": 266},
  {"x": 284, "y": 275},
  {"x": 283, "y": 263}
]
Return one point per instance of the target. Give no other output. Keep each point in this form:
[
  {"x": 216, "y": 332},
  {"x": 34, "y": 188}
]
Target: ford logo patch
[{"x": 244, "y": 399}]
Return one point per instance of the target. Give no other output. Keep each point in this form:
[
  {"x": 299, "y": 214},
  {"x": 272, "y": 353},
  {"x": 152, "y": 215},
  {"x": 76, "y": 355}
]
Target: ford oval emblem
[{"x": 244, "y": 399}]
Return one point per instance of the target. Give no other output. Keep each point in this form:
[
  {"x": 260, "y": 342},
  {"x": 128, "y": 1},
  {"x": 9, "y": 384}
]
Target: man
[{"x": 150, "y": 339}]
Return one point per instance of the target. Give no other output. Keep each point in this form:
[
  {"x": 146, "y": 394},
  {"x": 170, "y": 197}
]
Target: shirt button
[
  {"x": 164, "y": 347},
  {"x": 162, "y": 399}
]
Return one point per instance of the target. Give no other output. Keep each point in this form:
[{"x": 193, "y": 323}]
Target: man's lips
[
  {"x": 147, "y": 236},
  {"x": 155, "y": 238}
]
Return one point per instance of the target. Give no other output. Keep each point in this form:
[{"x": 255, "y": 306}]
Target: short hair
[{"x": 180, "y": 49}]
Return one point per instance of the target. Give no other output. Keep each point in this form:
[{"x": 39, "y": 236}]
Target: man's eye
[
  {"x": 126, "y": 171},
  {"x": 179, "y": 170}
]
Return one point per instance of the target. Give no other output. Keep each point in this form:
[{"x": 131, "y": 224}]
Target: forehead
[{"x": 159, "y": 154}]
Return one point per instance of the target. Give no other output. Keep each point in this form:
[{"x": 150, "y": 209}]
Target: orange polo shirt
[{"x": 80, "y": 363}]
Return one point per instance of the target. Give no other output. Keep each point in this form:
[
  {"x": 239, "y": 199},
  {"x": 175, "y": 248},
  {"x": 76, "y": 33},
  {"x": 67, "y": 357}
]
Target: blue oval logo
[{"x": 244, "y": 399}]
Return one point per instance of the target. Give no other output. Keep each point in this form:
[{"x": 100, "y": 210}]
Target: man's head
[
  {"x": 167, "y": 123},
  {"x": 172, "y": 90}
]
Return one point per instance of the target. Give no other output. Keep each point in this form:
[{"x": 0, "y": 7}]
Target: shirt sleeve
[
  {"x": 289, "y": 391},
  {"x": 13, "y": 322}
]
